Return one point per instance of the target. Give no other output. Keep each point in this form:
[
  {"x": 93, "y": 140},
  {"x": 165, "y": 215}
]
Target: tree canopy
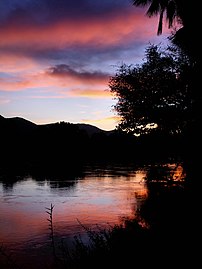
[{"x": 153, "y": 95}]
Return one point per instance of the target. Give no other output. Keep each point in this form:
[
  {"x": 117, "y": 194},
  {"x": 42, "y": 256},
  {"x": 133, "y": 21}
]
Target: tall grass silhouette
[{"x": 114, "y": 244}]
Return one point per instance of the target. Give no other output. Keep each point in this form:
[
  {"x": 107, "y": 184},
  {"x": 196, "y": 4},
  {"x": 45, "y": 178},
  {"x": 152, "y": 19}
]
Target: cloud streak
[
  {"x": 67, "y": 50},
  {"x": 63, "y": 80},
  {"x": 63, "y": 71},
  {"x": 120, "y": 29}
]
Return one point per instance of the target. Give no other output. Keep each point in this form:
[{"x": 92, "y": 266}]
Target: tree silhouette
[
  {"x": 186, "y": 14},
  {"x": 186, "y": 37},
  {"x": 161, "y": 7},
  {"x": 154, "y": 95},
  {"x": 183, "y": 13}
]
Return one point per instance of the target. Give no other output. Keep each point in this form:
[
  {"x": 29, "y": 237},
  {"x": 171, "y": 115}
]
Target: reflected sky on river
[{"x": 99, "y": 197}]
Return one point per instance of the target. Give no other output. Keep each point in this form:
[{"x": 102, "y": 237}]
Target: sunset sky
[{"x": 56, "y": 57}]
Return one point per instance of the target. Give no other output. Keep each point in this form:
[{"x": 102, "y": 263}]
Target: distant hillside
[
  {"x": 16, "y": 125},
  {"x": 62, "y": 145},
  {"x": 91, "y": 130},
  {"x": 19, "y": 124}
]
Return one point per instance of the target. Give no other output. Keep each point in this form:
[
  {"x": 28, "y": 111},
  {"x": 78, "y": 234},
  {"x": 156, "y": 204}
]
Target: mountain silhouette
[
  {"x": 16, "y": 125},
  {"x": 21, "y": 125},
  {"x": 91, "y": 129},
  {"x": 61, "y": 145}
]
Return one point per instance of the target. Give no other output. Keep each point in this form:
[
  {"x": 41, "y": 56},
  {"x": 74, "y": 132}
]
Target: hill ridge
[{"x": 22, "y": 122}]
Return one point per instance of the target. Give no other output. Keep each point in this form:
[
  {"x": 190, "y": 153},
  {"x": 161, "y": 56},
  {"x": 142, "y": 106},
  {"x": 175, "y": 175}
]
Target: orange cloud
[
  {"x": 106, "y": 123},
  {"x": 91, "y": 93}
]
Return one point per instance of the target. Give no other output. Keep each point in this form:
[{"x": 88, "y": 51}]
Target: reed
[
  {"x": 49, "y": 211},
  {"x": 112, "y": 244}
]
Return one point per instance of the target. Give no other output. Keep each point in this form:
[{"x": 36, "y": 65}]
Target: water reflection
[
  {"x": 99, "y": 196},
  {"x": 95, "y": 198},
  {"x": 169, "y": 172}
]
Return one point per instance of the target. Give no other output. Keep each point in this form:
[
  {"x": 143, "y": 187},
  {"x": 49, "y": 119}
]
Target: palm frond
[
  {"x": 160, "y": 25},
  {"x": 141, "y": 2},
  {"x": 154, "y": 8},
  {"x": 170, "y": 13}
]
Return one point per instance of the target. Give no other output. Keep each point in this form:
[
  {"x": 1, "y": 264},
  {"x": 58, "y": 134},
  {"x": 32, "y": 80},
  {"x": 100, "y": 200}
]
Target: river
[{"x": 99, "y": 196}]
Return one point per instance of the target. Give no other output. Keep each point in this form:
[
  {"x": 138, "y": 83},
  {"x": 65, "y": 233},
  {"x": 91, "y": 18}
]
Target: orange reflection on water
[
  {"x": 178, "y": 173},
  {"x": 94, "y": 200}
]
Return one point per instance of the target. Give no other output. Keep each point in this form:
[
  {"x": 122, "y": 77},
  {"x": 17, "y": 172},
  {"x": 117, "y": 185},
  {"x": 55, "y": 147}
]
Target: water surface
[{"x": 102, "y": 196}]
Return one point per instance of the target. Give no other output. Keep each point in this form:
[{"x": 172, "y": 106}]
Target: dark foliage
[{"x": 155, "y": 95}]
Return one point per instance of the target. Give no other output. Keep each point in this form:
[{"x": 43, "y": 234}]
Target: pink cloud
[
  {"x": 56, "y": 87},
  {"x": 14, "y": 85},
  {"x": 106, "y": 32},
  {"x": 11, "y": 63}
]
